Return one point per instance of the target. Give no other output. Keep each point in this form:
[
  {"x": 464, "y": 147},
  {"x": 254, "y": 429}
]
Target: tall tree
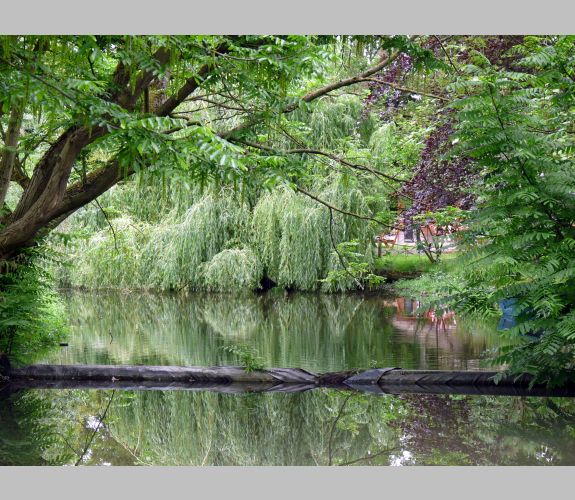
[{"x": 80, "y": 118}]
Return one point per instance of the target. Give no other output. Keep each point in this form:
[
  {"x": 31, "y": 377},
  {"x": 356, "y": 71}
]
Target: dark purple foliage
[
  {"x": 496, "y": 49},
  {"x": 439, "y": 182},
  {"x": 392, "y": 98}
]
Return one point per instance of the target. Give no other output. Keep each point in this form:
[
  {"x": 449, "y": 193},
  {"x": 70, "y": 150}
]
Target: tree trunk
[
  {"x": 9, "y": 154},
  {"x": 41, "y": 202}
]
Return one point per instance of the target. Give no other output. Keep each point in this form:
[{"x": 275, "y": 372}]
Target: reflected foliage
[
  {"x": 320, "y": 427},
  {"x": 312, "y": 331}
]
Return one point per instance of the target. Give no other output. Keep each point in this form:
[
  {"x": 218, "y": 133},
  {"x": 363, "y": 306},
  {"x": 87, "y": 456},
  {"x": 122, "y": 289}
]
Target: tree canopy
[{"x": 325, "y": 140}]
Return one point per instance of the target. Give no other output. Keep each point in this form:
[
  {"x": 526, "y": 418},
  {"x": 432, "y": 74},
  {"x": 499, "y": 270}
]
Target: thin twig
[
  {"x": 109, "y": 224},
  {"x": 341, "y": 211},
  {"x": 67, "y": 443},
  {"x": 447, "y": 54},
  {"x": 370, "y": 457},
  {"x": 310, "y": 151},
  {"x": 100, "y": 421},
  {"x": 41, "y": 80},
  {"x": 377, "y": 173},
  {"x": 339, "y": 415},
  {"x": 404, "y": 89}
]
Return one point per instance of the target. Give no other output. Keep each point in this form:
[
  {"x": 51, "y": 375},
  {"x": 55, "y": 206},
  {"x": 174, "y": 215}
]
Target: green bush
[
  {"x": 32, "y": 318},
  {"x": 234, "y": 269}
]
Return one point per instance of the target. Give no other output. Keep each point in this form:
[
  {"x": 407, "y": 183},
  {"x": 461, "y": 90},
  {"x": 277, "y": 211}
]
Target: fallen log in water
[
  {"x": 237, "y": 379},
  {"x": 185, "y": 374}
]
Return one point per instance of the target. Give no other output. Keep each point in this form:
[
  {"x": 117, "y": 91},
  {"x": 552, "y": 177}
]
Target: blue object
[{"x": 509, "y": 318}]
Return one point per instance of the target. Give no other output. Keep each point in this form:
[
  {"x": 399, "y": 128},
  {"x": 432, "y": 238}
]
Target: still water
[
  {"x": 319, "y": 427},
  {"x": 317, "y": 332}
]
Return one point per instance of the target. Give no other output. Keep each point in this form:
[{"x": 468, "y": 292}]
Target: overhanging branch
[
  {"x": 331, "y": 156},
  {"x": 315, "y": 94},
  {"x": 341, "y": 210}
]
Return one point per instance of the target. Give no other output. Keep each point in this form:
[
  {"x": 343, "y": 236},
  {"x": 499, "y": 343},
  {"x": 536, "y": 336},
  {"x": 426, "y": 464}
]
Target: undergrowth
[{"x": 32, "y": 317}]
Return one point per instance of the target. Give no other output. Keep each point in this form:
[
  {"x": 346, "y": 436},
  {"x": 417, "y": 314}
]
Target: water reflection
[
  {"x": 315, "y": 332},
  {"x": 321, "y": 427}
]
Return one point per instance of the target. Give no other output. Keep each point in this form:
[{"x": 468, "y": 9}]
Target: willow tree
[{"x": 84, "y": 112}]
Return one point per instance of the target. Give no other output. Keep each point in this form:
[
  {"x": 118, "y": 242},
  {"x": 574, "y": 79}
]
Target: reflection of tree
[
  {"x": 318, "y": 427},
  {"x": 98, "y": 425},
  {"x": 489, "y": 430},
  {"x": 333, "y": 427},
  {"x": 320, "y": 333},
  {"x": 53, "y": 428},
  {"x": 314, "y": 428}
]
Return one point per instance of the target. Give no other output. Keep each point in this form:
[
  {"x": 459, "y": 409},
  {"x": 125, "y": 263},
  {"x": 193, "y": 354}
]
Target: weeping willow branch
[
  {"x": 339, "y": 256},
  {"x": 341, "y": 211}
]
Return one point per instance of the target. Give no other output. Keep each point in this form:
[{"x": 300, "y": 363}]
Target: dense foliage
[
  {"x": 231, "y": 163},
  {"x": 219, "y": 243},
  {"x": 518, "y": 126},
  {"x": 31, "y": 315}
]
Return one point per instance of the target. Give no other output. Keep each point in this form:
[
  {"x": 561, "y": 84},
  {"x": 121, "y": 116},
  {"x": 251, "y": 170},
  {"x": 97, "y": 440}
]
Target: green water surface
[{"x": 317, "y": 427}]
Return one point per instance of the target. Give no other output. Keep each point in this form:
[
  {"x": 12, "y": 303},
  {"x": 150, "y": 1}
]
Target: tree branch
[
  {"x": 51, "y": 175},
  {"x": 341, "y": 211},
  {"x": 97, "y": 182},
  {"x": 126, "y": 97},
  {"x": 93, "y": 435},
  {"x": 191, "y": 84},
  {"x": 311, "y": 96},
  {"x": 331, "y": 156},
  {"x": 19, "y": 175},
  {"x": 315, "y": 94},
  {"x": 405, "y": 89},
  {"x": 447, "y": 54},
  {"x": 97, "y": 203}
]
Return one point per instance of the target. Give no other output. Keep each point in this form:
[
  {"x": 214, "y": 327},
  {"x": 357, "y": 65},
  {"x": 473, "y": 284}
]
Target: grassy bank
[{"x": 406, "y": 266}]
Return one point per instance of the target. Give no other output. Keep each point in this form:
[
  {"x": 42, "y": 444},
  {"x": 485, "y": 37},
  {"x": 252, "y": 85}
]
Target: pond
[
  {"x": 318, "y": 427},
  {"x": 317, "y": 332}
]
